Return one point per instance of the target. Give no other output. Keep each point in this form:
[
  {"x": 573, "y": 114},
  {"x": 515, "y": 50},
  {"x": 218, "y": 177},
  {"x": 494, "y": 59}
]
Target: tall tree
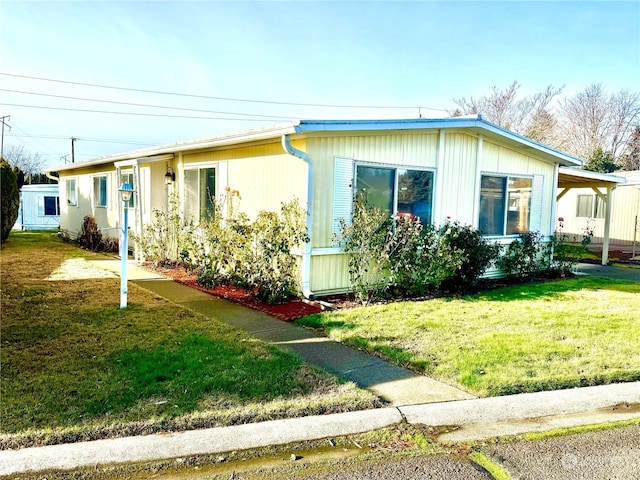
[
  {"x": 10, "y": 198},
  {"x": 28, "y": 162},
  {"x": 593, "y": 119},
  {"x": 630, "y": 160},
  {"x": 530, "y": 116}
]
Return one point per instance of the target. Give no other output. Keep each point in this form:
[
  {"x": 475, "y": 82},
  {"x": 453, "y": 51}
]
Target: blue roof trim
[{"x": 304, "y": 126}]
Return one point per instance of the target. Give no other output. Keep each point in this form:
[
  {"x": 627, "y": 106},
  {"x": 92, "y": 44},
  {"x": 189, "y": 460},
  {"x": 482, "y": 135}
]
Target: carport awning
[
  {"x": 569, "y": 178},
  {"x": 576, "y": 178}
]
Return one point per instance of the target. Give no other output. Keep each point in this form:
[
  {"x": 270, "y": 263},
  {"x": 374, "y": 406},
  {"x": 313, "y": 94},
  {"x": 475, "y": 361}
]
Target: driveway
[{"x": 631, "y": 273}]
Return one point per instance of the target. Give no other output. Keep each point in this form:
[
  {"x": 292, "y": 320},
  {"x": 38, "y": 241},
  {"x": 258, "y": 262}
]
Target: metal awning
[{"x": 569, "y": 178}]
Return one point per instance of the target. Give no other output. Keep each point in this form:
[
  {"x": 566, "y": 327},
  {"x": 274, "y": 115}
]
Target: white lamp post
[{"x": 126, "y": 191}]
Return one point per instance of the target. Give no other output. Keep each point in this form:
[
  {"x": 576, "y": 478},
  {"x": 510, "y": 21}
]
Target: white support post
[{"x": 607, "y": 226}]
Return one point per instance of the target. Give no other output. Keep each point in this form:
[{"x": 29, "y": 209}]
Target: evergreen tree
[{"x": 10, "y": 198}]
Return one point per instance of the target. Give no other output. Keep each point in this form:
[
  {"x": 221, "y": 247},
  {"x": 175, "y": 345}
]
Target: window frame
[
  {"x": 56, "y": 200},
  {"x": 187, "y": 210},
  {"x": 506, "y": 178},
  {"x": 596, "y": 208},
  {"x": 69, "y": 191},
  {"x": 131, "y": 177},
  {"x": 98, "y": 201},
  {"x": 396, "y": 168}
]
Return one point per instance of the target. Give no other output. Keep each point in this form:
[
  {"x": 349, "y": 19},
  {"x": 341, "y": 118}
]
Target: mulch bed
[{"x": 291, "y": 310}]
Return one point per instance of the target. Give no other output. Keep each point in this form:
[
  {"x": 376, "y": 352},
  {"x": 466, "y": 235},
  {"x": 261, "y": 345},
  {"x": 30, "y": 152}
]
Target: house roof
[
  {"x": 577, "y": 178},
  {"x": 475, "y": 124}
]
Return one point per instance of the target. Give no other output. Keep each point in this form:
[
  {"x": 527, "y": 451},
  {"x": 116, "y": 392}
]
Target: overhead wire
[
  {"x": 210, "y": 97},
  {"x": 143, "y": 104}
]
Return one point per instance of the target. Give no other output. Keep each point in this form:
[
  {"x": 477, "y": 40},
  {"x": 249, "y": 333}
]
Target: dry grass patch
[{"x": 76, "y": 367}]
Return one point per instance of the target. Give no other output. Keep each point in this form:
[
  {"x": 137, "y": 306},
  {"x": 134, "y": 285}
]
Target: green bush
[
  {"x": 364, "y": 240},
  {"x": 10, "y": 198},
  {"x": 525, "y": 257},
  {"x": 471, "y": 252}
]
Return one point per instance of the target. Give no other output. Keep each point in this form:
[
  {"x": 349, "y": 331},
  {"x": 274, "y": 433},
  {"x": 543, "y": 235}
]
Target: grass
[
  {"x": 77, "y": 367},
  {"x": 543, "y": 336}
]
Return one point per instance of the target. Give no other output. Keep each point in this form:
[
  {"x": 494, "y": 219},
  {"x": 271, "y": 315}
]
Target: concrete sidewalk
[{"x": 478, "y": 419}]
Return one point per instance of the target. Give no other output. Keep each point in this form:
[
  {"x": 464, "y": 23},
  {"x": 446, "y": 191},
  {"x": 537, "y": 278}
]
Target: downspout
[
  {"x": 306, "y": 255},
  {"x": 51, "y": 177}
]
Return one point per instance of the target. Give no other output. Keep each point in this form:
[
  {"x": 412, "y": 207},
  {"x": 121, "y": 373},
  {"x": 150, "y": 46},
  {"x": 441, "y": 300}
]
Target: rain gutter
[{"x": 306, "y": 255}]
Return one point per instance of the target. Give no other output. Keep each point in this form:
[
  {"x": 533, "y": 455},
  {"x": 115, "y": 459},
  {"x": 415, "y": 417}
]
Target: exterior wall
[
  {"x": 457, "y": 161},
  {"x": 499, "y": 159},
  {"x": 31, "y": 211},
  {"x": 625, "y": 213},
  {"x": 264, "y": 175},
  {"x": 72, "y": 215}
]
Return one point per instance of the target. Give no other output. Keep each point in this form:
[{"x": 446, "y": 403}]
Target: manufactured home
[
  {"x": 583, "y": 210},
  {"x": 39, "y": 208},
  {"x": 461, "y": 168}
]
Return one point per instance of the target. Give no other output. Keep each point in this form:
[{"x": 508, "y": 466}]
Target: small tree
[
  {"x": 601, "y": 161},
  {"x": 10, "y": 197}
]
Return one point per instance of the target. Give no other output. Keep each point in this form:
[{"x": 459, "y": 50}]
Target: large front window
[
  {"x": 398, "y": 191},
  {"x": 505, "y": 203},
  {"x": 200, "y": 193}
]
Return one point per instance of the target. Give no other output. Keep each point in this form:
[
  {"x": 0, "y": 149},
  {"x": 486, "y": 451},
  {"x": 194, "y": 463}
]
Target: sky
[{"x": 240, "y": 65}]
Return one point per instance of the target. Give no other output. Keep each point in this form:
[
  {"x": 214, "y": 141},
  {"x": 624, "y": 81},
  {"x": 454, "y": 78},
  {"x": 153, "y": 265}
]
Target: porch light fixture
[
  {"x": 170, "y": 176},
  {"x": 126, "y": 191}
]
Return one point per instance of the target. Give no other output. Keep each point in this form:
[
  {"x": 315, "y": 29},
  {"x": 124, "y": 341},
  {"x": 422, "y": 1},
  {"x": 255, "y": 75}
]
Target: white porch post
[{"x": 607, "y": 225}]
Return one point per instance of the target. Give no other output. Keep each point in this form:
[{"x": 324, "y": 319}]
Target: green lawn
[
  {"x": 75, "y": 366},
  {"x": 574, "y": 332}
]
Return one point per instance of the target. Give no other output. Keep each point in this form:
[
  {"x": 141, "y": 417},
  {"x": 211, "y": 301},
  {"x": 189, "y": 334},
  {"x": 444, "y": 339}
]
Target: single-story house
[
  {"x": 39, "y": 208},
  {"x": 461, "y": 168},
  {"x": 585, "y": 209}
]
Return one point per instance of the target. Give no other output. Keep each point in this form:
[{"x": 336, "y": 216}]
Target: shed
[
  {"x": 468, "y": 169},
  {"x": 39, "y": 208}
]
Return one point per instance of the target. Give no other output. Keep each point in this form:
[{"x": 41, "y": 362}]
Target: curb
[{"x": 484, "y": 413}]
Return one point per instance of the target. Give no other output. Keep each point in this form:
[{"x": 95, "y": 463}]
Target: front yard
[
  {"x": 77, "y": 367},
  {"x": 543, "y": 336}
]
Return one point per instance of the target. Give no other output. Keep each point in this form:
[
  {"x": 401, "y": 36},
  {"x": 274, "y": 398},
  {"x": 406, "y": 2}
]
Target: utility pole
[
  {"x": 73, "y": 150},
  {"x": 3, "y": 120}
]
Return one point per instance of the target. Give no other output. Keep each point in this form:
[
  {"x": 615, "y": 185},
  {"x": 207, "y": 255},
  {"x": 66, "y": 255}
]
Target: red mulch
[{"x": 291, "y": 310}]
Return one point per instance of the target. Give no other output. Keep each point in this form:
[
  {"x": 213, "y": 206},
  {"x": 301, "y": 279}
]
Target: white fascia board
[
  {"x": 470, "y": 122},
  {"x": 143, "y": 155},
  {"x": 589, "y": 175}
]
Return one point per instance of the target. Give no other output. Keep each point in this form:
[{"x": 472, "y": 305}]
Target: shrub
[
  {"x": 90, "y": 235},
  {"x": 10, "y": 193},
  {"x": 418, "y": 258},
  {"x": 525, "y": 257},
  {"x": 364, "y": 241},
  {"x": 166, "y": 238},
  {"x": 471, "y": 253}
]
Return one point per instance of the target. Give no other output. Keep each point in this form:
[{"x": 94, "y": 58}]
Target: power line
[
  {"x": 65, "y": 137},
  {"x": 141, "y": 104},
  {"x": 228, "y": 99},
  {"x": 138, "y": 113}
]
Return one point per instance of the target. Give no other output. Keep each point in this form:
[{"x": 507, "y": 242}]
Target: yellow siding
[
  {"x": 264, "y": 175},
  {"x": 329, "y": 273},
  {"x": 418, "y": 150},
  {"x": 457, "y": 178},
  {"x": 503, "y": 160}
]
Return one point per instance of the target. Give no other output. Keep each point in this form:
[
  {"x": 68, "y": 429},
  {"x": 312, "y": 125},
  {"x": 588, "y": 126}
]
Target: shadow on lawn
[{"x": 551, "y": 289}]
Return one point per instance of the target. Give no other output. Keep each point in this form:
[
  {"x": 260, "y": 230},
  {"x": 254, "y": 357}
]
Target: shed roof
[{"x": 475, "y": 124}]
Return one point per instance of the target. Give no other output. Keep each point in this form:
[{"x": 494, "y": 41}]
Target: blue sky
[{"x": 395, "y": 54}]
